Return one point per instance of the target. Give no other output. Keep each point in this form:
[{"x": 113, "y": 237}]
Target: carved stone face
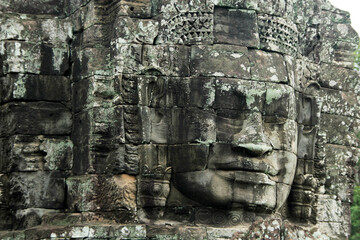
[{"x": 243, "y": 148}]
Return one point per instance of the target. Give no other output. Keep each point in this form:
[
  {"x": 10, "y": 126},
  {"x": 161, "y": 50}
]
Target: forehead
[
  {"x": 252, "y": 95},
  {"x": 215, "y": 94},
  {"x": 210, "y": 92}
]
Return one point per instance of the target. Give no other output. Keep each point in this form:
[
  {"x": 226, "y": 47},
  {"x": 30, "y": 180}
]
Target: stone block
[
  {"x": 224, "y": 221},
  {"x": 15, "y": 28},
  {"x": 37, "y": 190},
  {"x": 36, "y": 58},
  {"x": 339, "y": 53},
  {"x": 108, "y": 122},
  {"x": 72, "y": 6},
  {"x": 202, "y": 92},
  {"x": 237, "y": 27},
  {"x": 329, "y": 208},
  {"x": 274, "y": 7},
  {"x": 192, "y": 233},
  {"x": 343, "y": 53},
  {"x": 154, "y": 161},
  {"x": 51, "y": 7},
  {"x": 34, "y": 87},
  {"x": 127, "y": 88},
  {"x": 338, "y": 31},
  {"x": 128, "y": 231},
  {"x": 93, "y": 36},
  {"x": 151, "y": 59},
  {"x": 89, "y": 62},
  {"x": 121, "y": 216},
  {"x": 60, "y": 219},
  {"x": 127, "y": 57},
  {"x": 132, "y": 30},
  {"x": 192, "y": 125},
  {"x": 220, "y": 61},
  {"x": 163, "y": 232},
  {"x": 98, "y": 138},
  {"x": 339, "y": 78},
  {"x": 188, "y": 158},
  {"x": 109, "y": 158},
  {"x": 24, "y": 57},
  {"x": 100, "y": 193},
  {"x": 35, "y": 118},
  {"x": 83, "y": 14},
  {"x": 167, "y": 60},
  {"x": 54, "y": 60},
  {"x": 340, "y": 103},
  {"x": 238, "y": 94},
  {"x": 267, "y": 66},
  {"x": 156, "y": 124},
  {"x": 339, "y": 157},
  {"x": 4, "y": 191},
  {"x": 19, "y": 235},
  {"x": 103, "y": 88},
  {"x": 337, "y": 229},
  {"x": 222, "y": 233},
  {"x": 82, "y": 128},
  {"x": 49, "y": 232},
  {"x": 81, "y": 94},
  {"x": 283, "y": 135},
  {"x": 6, "y": 223},
  {"x": 57, "y": 32},
  {"x": 133, "y": 122},
  {"x": 3, "y": 69},
  {"x": 30, "y": 217},
  {"x": 280, "y": 101},
  {"x": 338, "y": 185},
  {"x": 136, "y": 9},
  {"x": 161, "y": 92},
  {"x": 5, "y": 150},
  {"x": 345, "y": 131},
  {"x": 186, "y": 6},
  {"x": 245, "y": 192},
  {"x": 36, "y": 153}
]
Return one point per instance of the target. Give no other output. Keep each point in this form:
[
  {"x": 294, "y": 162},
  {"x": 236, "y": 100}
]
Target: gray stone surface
[{"x": 195, "y": 119}]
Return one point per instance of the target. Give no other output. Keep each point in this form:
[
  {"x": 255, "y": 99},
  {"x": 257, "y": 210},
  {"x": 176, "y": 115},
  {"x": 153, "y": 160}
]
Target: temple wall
[{"x": 106, "y": 105}]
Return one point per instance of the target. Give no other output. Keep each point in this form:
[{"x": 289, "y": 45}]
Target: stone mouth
[
  {"x": 247, "y": 177},
  {"x": 246, "y": 164}
]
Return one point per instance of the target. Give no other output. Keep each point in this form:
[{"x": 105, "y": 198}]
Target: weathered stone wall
[
  {"x": 111, "y": 108},
  {"x": 36, "y": 117}
]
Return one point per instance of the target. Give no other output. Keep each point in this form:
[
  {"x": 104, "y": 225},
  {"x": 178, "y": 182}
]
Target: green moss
[
  {"x": 273, "y": 94},
  {"x": 19, "y": 88}
]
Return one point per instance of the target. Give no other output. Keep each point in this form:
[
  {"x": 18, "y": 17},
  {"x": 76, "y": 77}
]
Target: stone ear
[{"x": 302, "y": 198}]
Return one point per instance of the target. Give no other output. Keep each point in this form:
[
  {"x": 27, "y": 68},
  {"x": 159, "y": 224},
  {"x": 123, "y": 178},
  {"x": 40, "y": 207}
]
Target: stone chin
[
  {"x": 219, "y": 189},
  {"x": 240, "y": 188}
]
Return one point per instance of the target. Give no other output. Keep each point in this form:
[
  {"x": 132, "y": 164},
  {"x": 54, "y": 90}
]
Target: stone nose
[{"x": 251, "y": 138}]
